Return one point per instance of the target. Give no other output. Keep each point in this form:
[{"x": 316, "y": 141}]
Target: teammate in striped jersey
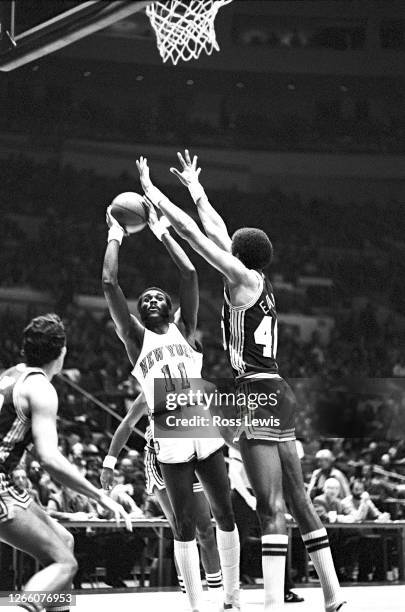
[
  {"x": 28, "y": 410},
  {"x": 156, "y": 348},
  {"x": 250, "y": 328},
  {"x": 155, "y": 485}
]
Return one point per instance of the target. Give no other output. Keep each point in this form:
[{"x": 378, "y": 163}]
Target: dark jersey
[
  {"x": 250, "y": 332},
  {"x": 15, "y": 426}
]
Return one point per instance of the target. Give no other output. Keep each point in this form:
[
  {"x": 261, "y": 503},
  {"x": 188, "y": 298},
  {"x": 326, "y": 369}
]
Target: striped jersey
[
  {"x": 15, "y": 426},
  {"x": 250, "y": 331}
]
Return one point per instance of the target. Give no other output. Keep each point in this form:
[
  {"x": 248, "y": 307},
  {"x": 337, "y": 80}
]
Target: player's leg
[
  {"x": 214, "y": 478},
  {"x": 206, "y": 534},
  {"x": 164, "y": 501},
  {"x": 68, "y": 540},
  {"x": 263, "y": 467},
  {"x": 179, "y": 478},
  {"x": 30, "y": 531},
  {"x": 313, "y": 532},
  {"x": 208, "y": 544}
]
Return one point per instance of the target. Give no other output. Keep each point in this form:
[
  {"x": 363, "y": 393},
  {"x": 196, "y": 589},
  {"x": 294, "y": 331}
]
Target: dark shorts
[
  {"x": 10, "y": 497},
  {"x": 267, "y": 411}
]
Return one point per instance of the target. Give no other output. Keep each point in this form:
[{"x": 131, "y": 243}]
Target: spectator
[
  {"x": 21, "y": 482},
  {"x": 328, "y": 505},
  {"x": 364, "y": 550},
  {"x": 330, "y": 510},
  {"x": 41, "y": 483},
  {"x": 360, "y": 506},
  {"x": 326, "y": 470}
]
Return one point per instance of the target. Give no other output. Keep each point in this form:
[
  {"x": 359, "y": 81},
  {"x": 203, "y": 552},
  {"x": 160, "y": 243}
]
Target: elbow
[
  {"x": 189, "y": 272},
  {"x": 109, "y": 282},
  {"x": 47, "y": 461}
]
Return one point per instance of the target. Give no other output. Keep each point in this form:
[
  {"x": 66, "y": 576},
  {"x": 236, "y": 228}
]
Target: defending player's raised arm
[
  {"x": 212, "y": 221},
  {"x": 43, "y": 402},
  {"x": 189, "y": 296},
  {"x": 229, "y": 265},
  {"x": 120, "y": 438},
  {"x": 128, "y": 328}
]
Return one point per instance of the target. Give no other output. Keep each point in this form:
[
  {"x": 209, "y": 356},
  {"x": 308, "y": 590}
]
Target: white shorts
[
  {"x": 154, "y": 476},
  {"x": 183, "y": 450}
]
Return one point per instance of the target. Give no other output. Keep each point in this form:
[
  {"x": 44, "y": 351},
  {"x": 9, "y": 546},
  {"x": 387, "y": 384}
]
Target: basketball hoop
[{"x": 184, "y": 29}]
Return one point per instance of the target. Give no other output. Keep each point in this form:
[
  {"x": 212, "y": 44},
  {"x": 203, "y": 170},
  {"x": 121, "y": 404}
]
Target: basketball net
[{"x": 184, "y": 29}]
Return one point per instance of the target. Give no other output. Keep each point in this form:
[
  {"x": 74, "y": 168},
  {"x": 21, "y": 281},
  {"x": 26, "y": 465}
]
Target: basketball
[{"x": 130, "y": 212}]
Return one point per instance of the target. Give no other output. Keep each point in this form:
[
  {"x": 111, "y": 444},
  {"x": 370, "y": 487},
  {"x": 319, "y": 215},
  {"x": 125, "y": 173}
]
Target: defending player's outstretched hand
[
  {"x": 189, "y": 175},
  {"x": 117, "y": 510},
  {"x": 144, "y": 173},
  {"x": 190, "y": 172}
]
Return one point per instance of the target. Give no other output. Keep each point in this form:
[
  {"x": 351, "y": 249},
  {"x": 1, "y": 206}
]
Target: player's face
[{"x": 154, "y": 306}]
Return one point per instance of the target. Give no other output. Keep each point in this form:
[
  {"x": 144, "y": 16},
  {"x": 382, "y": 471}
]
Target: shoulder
[
  {"x": 38, "y": 382},
  {"x": 249, "y": 279},
  {"x": 179, "y": 327},
  {"x": 38, "y": 390}
]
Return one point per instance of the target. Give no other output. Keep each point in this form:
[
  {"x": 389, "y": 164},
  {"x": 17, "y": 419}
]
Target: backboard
[{"x": 31, "y": 29}]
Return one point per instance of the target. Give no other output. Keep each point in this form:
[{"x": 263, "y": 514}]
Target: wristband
[
  {"x": 115, "y": 233},
  {"x": 165, "y": 222},
  {"x": 196, "y": 190},
  {"x": 160, "y": 227},
  {"x": 109, "y": 462}
]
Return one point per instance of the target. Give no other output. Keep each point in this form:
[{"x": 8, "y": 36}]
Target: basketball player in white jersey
[
  {"x": 28, "y": 411},
  {"x": 155, "y": 485},
  {"x": 250, "y": 338},
  {"x": 159, "y": 350}
]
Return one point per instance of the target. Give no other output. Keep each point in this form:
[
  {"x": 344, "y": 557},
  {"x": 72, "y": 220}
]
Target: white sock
[
  {"x": 189, "y": 565},
  {"x": 181, "y": 583},
  {"x": 274, "y": 552},
  {"x": 229, "y": 552},
  {"x": 317, "y": 543}
]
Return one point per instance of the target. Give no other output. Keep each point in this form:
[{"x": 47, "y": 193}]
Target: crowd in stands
[
  {"x": 303, "y": 114},
  {"x": 58, "y": 213},
  {"x": 347, "y": 486}
]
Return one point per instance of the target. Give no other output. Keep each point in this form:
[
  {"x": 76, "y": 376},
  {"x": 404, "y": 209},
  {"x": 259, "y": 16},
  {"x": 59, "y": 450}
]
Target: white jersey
[
  {"x": 168, "y": 364},
  {"x": 167, "y": 357}
]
